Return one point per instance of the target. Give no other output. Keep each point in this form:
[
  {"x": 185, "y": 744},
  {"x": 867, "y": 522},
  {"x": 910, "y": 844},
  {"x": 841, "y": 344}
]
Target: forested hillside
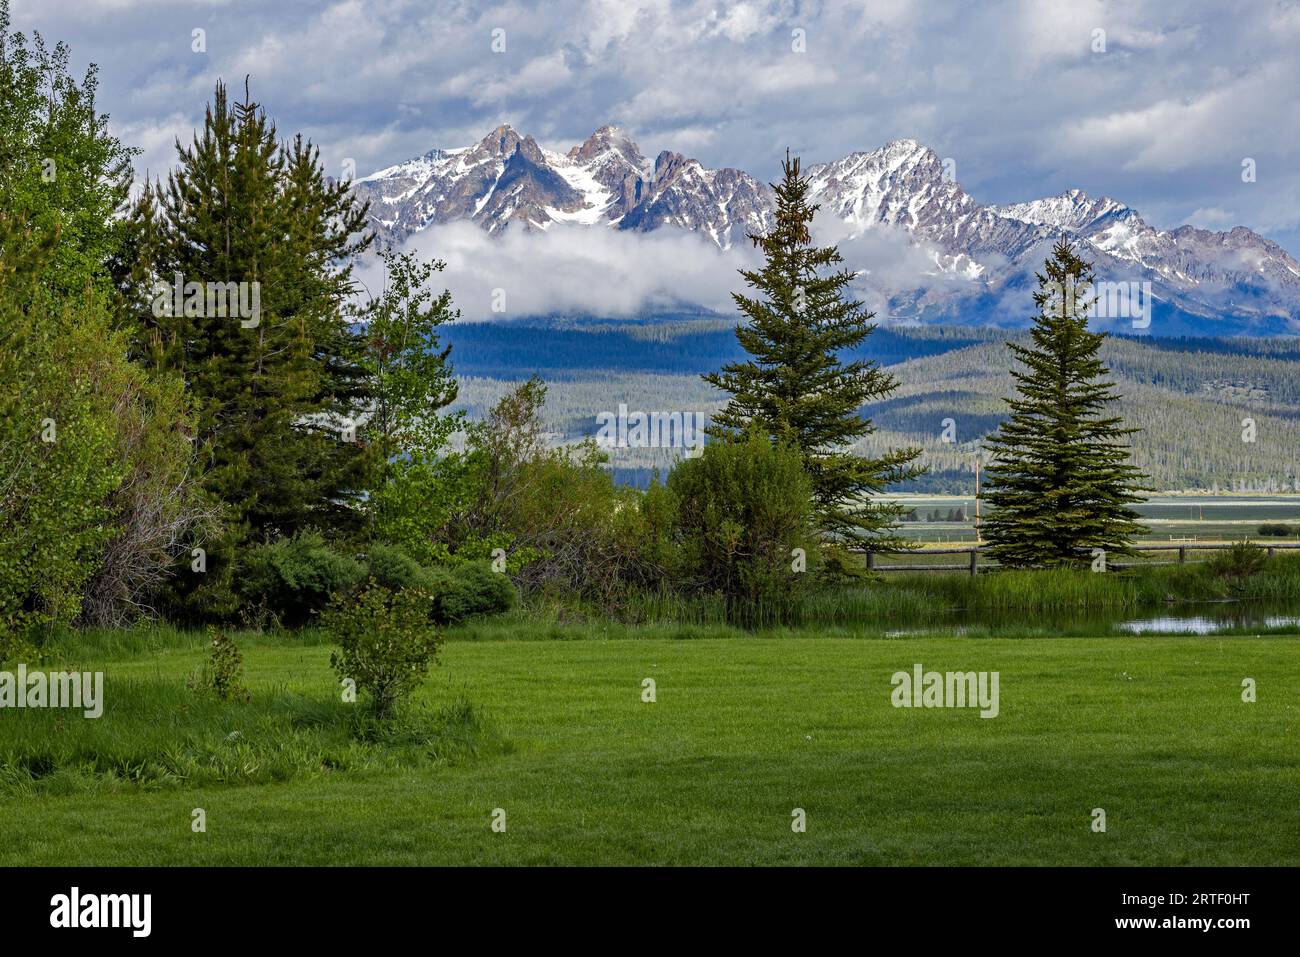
[{"x": 1190, "y": 397}]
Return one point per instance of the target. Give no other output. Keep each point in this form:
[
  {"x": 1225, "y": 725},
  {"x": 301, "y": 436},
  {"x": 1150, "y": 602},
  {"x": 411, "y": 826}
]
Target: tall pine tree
[
  {"x": 795, "y": 386},
  {"x": 1061, "y": 480},
  {"x": 277, "y": 394}
]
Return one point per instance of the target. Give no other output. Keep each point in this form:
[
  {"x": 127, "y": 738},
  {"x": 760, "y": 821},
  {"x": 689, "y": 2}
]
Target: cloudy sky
[{"x": 1018, "y": 93}]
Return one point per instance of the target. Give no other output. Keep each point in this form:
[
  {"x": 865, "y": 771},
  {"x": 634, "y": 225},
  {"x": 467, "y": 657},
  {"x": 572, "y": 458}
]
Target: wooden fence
[{"x": 974, "y": 567}]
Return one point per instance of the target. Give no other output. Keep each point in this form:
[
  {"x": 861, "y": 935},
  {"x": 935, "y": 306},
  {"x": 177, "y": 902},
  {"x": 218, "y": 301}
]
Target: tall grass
[
  {"x": 151, "y": 638},
  {"x": 160, "y": 735},
  {"x": 907, "y": 599},
  {"x": 1007, "y": 602},
  {"x": 1280, "y": 580}
]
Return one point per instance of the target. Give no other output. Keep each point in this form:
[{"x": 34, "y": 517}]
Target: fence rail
[{"x": 974, "y": 567}]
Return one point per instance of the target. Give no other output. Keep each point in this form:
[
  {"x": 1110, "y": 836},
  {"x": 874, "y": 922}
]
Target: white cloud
[
  {"x": 1011, "y": 88},
  {"x": 576, "y": 269},
  {"x": 157, "y": 141},
  {"x": 1212, "y": 217},
  {"x": 1055, "y": 29}
]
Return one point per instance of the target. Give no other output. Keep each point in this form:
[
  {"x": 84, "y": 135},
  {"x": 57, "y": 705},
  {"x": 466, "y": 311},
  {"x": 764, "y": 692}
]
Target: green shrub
[
  {"x": 1275, "y": 530},
  {"x": 392, "y": 567},
  {"x": 64, "y": 385},
  {"x": 744, "y": 513},
  {"x": 472, "y": 588},
  {"x": 1238, "y": 564},
  {"x": 416, "y": 501},
  {"x": 386, "y": 642},
  {"x": 222, "y": 675},
  {"x": 456, "y": 591},
  {"x": 294, "y": 578},
  {"x": 15, "y": 649},
  {"x": 566, "y": 528},
  {"x": 73, "y": 477}
]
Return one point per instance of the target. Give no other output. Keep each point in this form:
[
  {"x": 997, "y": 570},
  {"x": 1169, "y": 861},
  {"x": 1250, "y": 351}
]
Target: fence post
[
  {"x": 1270, "y": 551},
  {"x": 871, "y": 561},
  {"x": 974, "y": 559},
  {"x": 1182, "y": 554}
]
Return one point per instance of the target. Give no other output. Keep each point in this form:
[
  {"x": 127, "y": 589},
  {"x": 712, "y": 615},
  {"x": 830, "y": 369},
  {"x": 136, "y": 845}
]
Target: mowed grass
[{"x": 744, "y": 730}]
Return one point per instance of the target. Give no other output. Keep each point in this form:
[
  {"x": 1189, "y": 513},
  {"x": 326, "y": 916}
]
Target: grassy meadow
[{"x": 743, "y": 731}]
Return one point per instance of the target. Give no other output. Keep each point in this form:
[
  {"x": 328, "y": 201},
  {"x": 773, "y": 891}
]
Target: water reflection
[
  {"x": 1204, "y": 618},
  {"x": 1201, "y": 625}
]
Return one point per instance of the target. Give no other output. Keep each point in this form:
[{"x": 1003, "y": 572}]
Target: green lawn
[{"x": 744, "y": 730}]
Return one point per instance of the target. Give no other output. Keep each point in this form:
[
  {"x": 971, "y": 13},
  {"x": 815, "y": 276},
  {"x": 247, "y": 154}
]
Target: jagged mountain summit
[
  {"x": 981, "y": 258},
  {"x": 506, "y": 180}
]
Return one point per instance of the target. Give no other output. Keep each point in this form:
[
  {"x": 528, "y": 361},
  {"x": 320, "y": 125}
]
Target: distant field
[
  {"x": 1174, "y": 518},
  {"x": 1188, "y": 398}
]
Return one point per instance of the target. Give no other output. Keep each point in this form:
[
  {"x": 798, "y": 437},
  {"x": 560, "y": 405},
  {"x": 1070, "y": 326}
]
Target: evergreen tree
[
  {"x": 277, "y": 393},
  {"x": 1061, "y": 480},
  {"x": 795, "y": 385}
]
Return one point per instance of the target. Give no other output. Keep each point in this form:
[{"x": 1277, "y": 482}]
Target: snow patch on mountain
[{"x": 977, "y": 256}]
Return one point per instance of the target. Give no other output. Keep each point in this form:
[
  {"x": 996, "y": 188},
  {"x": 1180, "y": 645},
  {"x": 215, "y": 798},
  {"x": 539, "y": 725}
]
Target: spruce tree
[
  {"x": 277, "y": 396},
  {"x": 796, "y": 387},
  {"x": 1060, "y": 480}
]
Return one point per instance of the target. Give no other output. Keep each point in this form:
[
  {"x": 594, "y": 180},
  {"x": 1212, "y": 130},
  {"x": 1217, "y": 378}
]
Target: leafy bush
[
  {"x": 14, "y": 648},
  {"x": 393, "y": 568},
  {"x": 294, "y": 578},
  {"x": 1275, "y": 530},
  {"x": 468, "y": 589},
  {"x": 64, "y": 384},
  {"x": 457, "y": 591},
  {"x": 221, "y": 676},
  {"x": 417, "y": 499},
  {"x": 743, "y": 512},
  {"x": 74, "y": 475},
  {"x": 386, "y": 643},
  {"x": 1238, "y": 564},
  {"x": 563, "y": 523}
]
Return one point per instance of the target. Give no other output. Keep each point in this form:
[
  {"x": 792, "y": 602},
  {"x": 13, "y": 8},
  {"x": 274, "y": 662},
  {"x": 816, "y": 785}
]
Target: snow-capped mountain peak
[
  {"x": 1073, "y": 210},
  {"x": 901, "y": 184},
  {"x": 508, "y": 180}
]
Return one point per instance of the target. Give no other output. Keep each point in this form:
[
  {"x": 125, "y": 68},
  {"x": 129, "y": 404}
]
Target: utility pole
[{"x": 977, "y": 498}]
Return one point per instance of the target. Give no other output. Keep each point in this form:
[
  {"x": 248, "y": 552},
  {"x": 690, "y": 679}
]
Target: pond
[
  {"x": 1239, "y": 619},
  {"x": 1192, "y": 618}
]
